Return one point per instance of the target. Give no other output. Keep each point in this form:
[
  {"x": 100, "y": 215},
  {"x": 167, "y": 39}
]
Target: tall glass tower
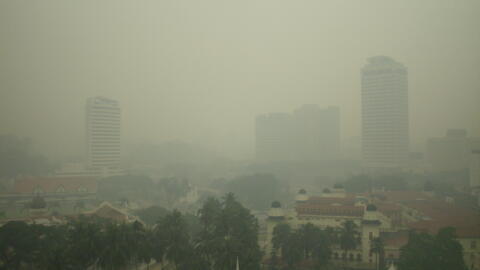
[
  {"x": 103, "y": 134},
  {"x": 385, "y": 129}
]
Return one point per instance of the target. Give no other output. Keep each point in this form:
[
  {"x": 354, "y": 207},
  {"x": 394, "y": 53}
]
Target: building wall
[
  {"x": 385, "y": 123},
  {"x": 311, "y": 133},
  {"x": 103, "y": 133},
  {"x": 475, "y": 171},
  {"x": 451, "y": 152}
]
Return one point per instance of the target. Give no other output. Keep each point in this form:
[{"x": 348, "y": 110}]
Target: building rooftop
[
  {"x": 441, "y": 214},
  {"x": 55, "y": 185},
  {"x": 329, "y": 210}
]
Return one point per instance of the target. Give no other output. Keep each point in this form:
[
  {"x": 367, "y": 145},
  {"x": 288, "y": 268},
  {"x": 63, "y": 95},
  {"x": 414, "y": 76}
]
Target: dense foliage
[
  {"x": 306, "y": 243},
  {"x": 223, "y": 232},
  {"x": 432, "y": 252}
]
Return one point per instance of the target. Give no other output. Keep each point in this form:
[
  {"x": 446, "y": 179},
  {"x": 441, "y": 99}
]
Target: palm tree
[
  {"x": 87, "y": 236},
  {"x": 349, "y": 237},
  {"x": 280, "y": 236},
  {"x": 377, "y": 247},
  {"x": 174, "y": 231}
]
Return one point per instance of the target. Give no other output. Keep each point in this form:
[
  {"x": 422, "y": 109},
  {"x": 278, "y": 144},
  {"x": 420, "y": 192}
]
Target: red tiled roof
[
  {"x": 463, "y": 229},
  {"x": 442, "y": 214},
  {"x": 53, "y": 184},
  {"x": 396, "y": 240},
  {"x": 402, "y": 196},
  {"x": 107, "y": 211}
]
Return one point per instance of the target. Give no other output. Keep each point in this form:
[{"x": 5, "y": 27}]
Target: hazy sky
[{"x": 200, "y": 70}]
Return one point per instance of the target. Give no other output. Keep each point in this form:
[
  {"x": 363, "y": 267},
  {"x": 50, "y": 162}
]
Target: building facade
[
  {"x": 388, "y": 215},
  {"x": 310, "y": 133},
  {"x": 452, "y": 152},
  {"x": 385, "y": 123},
  {"x": 103, "y": 135}
]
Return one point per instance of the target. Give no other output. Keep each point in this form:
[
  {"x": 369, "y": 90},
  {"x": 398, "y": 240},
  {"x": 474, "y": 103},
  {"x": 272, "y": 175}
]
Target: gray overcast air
[
  {"x": 200, "y": 71},
  {"x": 240, "y": 135}
]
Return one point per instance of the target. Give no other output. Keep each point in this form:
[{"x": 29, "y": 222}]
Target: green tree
[
  {"x": 377, "y": 247},
  {"x": 448, "y": 250},
  {"x": 233, "y": 233},
  {"x": 349, "y": 237},
  {"x": 280, "y": 235},
  {"x": 175, "y": 234},
  {"x": 207, "y": 240},
  {"x": 53, "y": 249},
  {"x": 432, "y": 252},
  {"x": 18, "y": 243},
  {"x": 87, "y": 241},
  {"x": 118, "y": 250},
  {"x": 293, "y": 252}
]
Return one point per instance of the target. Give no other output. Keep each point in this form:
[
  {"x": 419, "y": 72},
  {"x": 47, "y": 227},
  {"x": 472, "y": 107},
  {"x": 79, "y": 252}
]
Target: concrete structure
[
  {"x": 475, "y": 174},
  {"x": 389, "y": 215},
  {"x": 385, "y": 128},
  {"x": 60, "y": 193},
  {"x": 75, "y": 170},
  {"x": 330, "y": 212},
  {"x": 311, "y": 133},
  {"x": 103, "y": 135},
  {"x": 451, "y": 152},
  {"x": 273, "y": 135}
]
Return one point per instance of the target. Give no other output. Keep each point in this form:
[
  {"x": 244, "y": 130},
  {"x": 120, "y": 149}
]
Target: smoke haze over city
[{"x": 201, "y": 71}]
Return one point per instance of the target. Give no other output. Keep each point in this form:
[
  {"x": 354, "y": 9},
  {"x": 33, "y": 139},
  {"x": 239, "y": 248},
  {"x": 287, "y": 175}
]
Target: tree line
[
  {"x": 310, "y": 247},
  {"x": 227, "y": 232}
]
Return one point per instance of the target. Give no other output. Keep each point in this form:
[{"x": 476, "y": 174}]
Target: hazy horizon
[{"x": 200, "y": 71}]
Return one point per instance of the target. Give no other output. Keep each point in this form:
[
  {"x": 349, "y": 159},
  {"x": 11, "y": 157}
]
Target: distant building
[
  {"x": 56, "y": 191},
  {"x": 103, "y": 135},
  {"x": 273, "y": 137},
  {"x": 451, "y": 152},
  {"x": 385, "y": 124},
  {"x": 75, "y": 170},
  {"x": 107, "y": 211},
  {"x": 475, "y": 174},
  {"x": 311, "y": 133}
]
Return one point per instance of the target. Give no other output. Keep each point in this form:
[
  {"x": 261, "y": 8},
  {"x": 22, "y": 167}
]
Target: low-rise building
[{"x": 389, "y": 215}]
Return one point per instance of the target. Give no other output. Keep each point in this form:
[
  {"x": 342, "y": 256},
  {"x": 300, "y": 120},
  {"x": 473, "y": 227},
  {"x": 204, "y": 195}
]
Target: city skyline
[{"x": 203, "y": 77}]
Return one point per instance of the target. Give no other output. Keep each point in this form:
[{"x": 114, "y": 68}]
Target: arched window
[
  {"x": 350, "y": 257},
  {"x": 60, "y": 189},
  {"x": 82, "y": 189},
  {"x": 359, "y": 257}
]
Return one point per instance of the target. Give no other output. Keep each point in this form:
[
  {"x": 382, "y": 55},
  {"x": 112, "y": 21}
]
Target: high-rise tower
[
  {"x": 103, "y": 135},
  {"x": 309, "y": 134},
  {"x": 385, "y": 131}
]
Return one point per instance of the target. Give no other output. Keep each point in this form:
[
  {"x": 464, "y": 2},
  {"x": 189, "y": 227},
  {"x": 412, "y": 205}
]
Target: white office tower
[
  {"x": 103, "y": 136},
  {"x": 385, "y": 131}
]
